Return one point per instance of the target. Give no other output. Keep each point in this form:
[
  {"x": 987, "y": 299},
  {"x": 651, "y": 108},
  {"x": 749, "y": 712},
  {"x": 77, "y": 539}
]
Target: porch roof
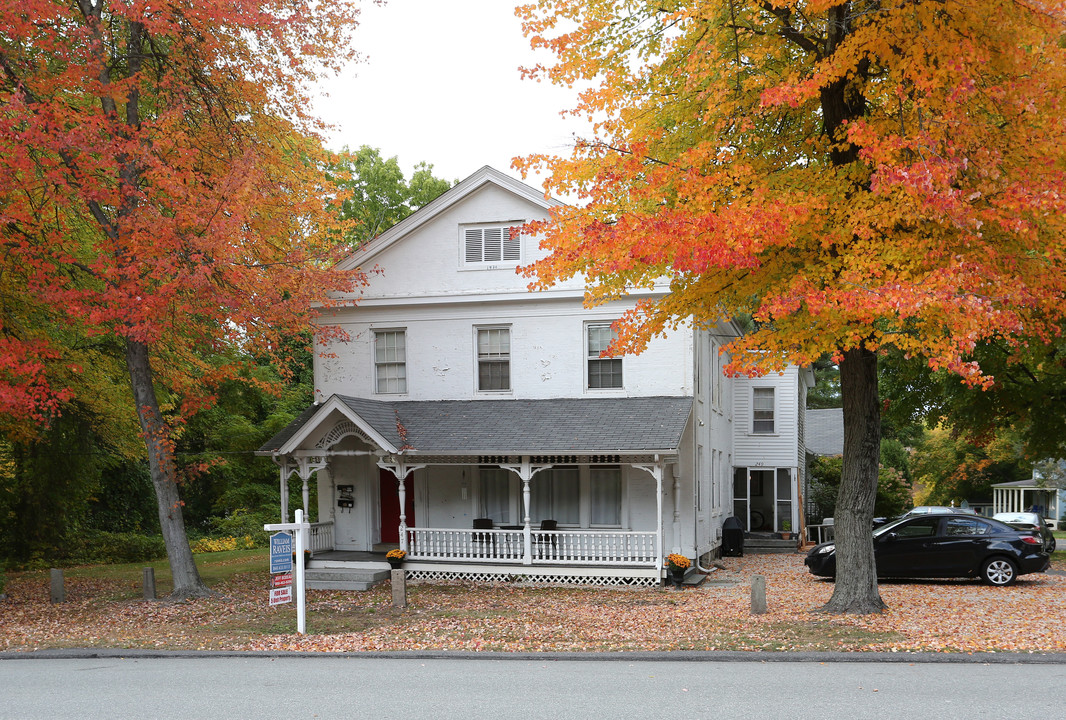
[{"x": 515, "y": 427}]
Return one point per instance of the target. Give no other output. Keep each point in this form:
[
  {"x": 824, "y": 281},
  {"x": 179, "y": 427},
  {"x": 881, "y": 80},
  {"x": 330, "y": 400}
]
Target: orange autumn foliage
[
  {"x": 851, "y": 174},
  {"x": 162, "y": 186},
  {"x": 928, "y": 215}
]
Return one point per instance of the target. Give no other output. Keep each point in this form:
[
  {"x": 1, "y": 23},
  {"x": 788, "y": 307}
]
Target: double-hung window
[
  {"x": 603, "y": 372},
  {"x": 605, "y": 496},
  {"x": 495, "y": 494},
  {"x": 578, "y": 496},
  {"x": 762, "y": 410},
  {"x": 493, "y": 359},
  {"x": 491, "y": 246},
  {"x": 556, "y": 495},
  {"x": 390, "y": 361}
]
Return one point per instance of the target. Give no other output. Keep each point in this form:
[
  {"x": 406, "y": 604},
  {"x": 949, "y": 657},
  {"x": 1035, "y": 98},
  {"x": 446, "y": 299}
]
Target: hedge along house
[{"x": 476, "y": 425}]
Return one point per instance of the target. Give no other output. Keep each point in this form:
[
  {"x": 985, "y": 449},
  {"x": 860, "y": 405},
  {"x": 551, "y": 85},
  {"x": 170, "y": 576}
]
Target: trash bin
[{"x": 732, "y": 538}]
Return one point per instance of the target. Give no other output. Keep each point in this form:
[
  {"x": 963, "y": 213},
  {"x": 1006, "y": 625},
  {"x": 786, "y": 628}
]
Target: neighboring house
[
  {"x": 825, "y": 432},
  {"x": 1035, "y": 495},
  {"x": 476, "y": 425}
]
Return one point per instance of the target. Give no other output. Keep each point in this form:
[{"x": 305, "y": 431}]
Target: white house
[{"x": 476, "y": 425}]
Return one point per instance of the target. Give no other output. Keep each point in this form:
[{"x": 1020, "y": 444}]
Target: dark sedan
[{"x": 946, "y": 545}]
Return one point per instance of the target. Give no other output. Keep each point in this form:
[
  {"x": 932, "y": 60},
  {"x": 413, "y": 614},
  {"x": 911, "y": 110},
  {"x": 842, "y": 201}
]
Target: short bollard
[
  {"x": 59, "y": 593},
  {"x": 149, "y": 583},
  {"x": 399, "y": 588},
  {"x": 758, "y": 594}
]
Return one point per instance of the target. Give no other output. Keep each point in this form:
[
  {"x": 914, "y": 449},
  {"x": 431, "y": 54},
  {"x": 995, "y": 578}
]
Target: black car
[{"x": 946, "y": 545}]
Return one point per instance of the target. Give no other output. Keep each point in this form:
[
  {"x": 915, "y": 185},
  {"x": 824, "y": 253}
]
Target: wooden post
[
  {"x": 399, "y": 588},
  {"x": 59, "y": 593},
  {"x": 149, "y": 583},
  {"x": 758, "y": 594}
]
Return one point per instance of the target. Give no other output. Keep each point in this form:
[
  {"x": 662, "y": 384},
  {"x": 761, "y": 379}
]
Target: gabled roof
[
  {"x": 494, "y": 427},
  {"x": 485, "y": 176}
]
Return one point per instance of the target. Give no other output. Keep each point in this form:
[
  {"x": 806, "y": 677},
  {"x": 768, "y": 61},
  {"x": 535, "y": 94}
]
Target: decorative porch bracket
[
  {"x": 400, "y": 468},
  {"x": 526, "y": 470},
  {"x": 656, "y": 471},
  {"x": 302, "y": 465}
]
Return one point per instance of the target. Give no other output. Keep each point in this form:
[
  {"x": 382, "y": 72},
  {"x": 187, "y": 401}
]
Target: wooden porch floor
[{"x": 350, "y": 556}]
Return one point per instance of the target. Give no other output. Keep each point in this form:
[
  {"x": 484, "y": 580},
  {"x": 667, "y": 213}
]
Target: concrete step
[
  {"x": 345, "y": 578},
  {"x": 768, "y": 545}
]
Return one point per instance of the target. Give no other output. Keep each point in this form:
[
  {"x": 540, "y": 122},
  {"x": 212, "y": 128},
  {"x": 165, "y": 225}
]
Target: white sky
[{"x": 441, "y": 85}]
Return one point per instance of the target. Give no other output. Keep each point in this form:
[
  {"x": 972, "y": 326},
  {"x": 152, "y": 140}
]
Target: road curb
[{"x": 985, "y": 658}]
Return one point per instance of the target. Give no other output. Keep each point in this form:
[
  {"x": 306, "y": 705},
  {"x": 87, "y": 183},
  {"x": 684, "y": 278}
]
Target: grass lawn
[{"x": 105, "y": 609}]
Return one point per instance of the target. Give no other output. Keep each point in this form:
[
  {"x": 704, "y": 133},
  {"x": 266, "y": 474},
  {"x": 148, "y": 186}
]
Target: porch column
[
  {"x": 284, "y": 495},
  {"x": 401, "y": 470},
  {"x": 525, "y": 472},
  {"x": 401, "y": 490},
  {"x": 285, "y": 468},
  {"x": 306, "y": 497},
  {"x": 677, "y": 509},
  {"x": 656, "y": 471}
]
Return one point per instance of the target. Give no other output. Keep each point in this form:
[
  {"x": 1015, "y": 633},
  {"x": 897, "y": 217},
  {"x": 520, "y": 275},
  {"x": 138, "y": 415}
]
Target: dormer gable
[{"x": 480, "y": 243}]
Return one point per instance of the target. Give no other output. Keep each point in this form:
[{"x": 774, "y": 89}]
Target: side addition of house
[{"x": 478, "y": 425}]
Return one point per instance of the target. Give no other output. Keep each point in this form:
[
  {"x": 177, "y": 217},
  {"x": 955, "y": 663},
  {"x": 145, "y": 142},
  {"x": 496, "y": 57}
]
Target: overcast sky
[{"x": 441, "y": 85}]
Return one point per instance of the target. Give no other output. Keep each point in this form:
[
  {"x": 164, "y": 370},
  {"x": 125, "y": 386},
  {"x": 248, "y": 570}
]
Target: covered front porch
[{"x": 594, "y": 516}]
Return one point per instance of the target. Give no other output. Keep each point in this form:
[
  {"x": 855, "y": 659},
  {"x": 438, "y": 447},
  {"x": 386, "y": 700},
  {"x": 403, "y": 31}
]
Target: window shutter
[
  {"x": 512, "y": 245},
  {"x": 493, "y": 244},
  {"x": 473, "y": 245}
]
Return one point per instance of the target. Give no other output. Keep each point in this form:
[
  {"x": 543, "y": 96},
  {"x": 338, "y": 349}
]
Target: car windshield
[{"x": 887, "y": 527}]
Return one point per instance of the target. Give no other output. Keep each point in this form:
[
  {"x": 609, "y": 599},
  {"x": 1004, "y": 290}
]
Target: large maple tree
[
  {"x": 161, "y": 184},
  {"x": 854, "y": 175}
]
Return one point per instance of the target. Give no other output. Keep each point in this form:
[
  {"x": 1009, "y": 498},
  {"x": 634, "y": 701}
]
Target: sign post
[{"x": 284, "y": 549}]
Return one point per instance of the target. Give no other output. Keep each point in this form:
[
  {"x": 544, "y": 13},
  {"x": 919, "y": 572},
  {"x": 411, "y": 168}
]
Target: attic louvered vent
[{"x": 490, "y": 245}]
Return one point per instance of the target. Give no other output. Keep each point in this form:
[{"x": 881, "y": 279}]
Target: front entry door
[
  {"x": 762, "y": 499},
  {"x": 390, "y": 506}
]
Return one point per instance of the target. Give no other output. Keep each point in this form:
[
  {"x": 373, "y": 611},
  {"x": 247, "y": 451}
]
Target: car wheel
[{"x": 999, "y": 571}]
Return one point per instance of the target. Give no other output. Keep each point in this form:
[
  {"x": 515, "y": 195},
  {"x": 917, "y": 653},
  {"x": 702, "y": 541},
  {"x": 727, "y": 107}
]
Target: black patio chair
[
  {"x": 541, "y": 539},
  {"x": 484, "y": 539}
]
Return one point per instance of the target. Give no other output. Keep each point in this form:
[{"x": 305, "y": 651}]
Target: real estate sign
[{"x": 281, "y": 553}]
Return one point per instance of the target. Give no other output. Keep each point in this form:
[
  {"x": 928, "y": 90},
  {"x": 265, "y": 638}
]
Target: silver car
[{"x": 1030, "y": 521}]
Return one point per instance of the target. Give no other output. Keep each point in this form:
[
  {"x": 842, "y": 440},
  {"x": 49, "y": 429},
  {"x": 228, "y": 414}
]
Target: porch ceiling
[{"x": 509, "y": 427}]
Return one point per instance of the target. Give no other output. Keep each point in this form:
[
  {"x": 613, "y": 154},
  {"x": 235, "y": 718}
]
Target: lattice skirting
[{"x": 529, "y": 579}]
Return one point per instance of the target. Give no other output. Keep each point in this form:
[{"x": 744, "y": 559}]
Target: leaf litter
[{"x": 936, "y": 615}]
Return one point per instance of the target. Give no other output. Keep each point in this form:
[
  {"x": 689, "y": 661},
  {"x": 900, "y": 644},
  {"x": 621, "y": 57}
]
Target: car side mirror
[{"x": 889, "y": 536}]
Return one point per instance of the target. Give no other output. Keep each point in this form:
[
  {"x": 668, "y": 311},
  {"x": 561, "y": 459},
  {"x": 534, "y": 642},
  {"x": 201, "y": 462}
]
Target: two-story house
[{"x": 478, "y": 425}]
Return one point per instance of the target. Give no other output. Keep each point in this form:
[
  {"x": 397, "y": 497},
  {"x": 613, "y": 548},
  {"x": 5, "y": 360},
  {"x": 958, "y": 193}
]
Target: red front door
[{"x": 390, "y": 506}]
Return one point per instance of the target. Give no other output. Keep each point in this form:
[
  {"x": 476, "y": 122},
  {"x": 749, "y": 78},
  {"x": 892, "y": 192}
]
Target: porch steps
[
  {"x": 769, "y": 544},
  {"x": 324, "y": 575}
]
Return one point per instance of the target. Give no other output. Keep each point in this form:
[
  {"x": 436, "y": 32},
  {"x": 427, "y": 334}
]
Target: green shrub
[
  {"x": 100, "y": 547},
  {"x": 242, "y": 523}
]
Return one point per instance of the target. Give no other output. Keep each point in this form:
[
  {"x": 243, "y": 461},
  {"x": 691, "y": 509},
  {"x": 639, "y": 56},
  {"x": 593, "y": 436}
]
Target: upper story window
[
  {"x": 390, "y": 361},
  {"x": 493, "y": 359},
  {"x": 762, "y": 410},
  {"x": 493, "y": 246},
  {"x": 603, "y": 372}
]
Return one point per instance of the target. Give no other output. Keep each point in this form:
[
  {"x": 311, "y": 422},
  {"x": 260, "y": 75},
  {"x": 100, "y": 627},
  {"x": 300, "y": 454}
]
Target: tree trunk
[
  {"x": 856, "y": 573},
  {"x": 187, "y": 582}
]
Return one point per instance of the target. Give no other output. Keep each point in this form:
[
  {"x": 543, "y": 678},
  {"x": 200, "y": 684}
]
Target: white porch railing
[
  {"x": 555, "y": 547},
  {"x": 321, "y": 539},
  {"x": 601, "y": 547}
]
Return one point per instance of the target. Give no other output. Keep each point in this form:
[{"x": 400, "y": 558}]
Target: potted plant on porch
[
  {"x": 786, "y": 529},
  {"x": 395, "y": 558},
  {"x": 676, "y": 565}
]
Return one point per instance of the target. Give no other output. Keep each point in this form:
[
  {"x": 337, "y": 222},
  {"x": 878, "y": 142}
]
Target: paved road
[{"x": 444, "y": 688}]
